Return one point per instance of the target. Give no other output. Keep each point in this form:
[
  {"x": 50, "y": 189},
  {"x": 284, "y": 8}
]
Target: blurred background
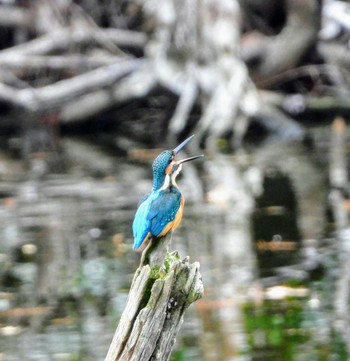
[{"x": 91, "y": 91}]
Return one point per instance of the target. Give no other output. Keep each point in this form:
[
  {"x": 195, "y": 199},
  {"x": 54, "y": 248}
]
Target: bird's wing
[
  {"x": 163, "y": 210},
  {"x": 141, "y": 225},
  {"x": 143, "y": 199}
]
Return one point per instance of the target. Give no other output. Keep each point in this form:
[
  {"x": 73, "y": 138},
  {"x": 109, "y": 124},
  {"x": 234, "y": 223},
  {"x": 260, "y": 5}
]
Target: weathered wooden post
[{"x": 158, "y": 298}]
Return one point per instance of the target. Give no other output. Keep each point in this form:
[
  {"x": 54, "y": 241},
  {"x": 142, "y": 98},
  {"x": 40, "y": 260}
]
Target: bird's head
[{"x": 165, "y": 167}]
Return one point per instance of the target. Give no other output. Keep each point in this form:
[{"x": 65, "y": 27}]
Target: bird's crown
[{"x": 160, "y": 167}]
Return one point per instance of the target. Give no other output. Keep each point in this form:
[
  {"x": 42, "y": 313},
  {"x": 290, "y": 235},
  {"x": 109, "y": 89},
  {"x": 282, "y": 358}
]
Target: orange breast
[{"x": 176, "y": 221}]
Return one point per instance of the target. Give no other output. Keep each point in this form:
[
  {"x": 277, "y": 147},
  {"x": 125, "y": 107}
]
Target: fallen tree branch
[
  {"x": 68, "y": 37},
  {"x": 285, "y": 50},
  {"x": 13, "y": 16},
  {"x": 135, "y": 85},
  {"x": 77, "y": 63},
  {"x": 298, "y": 104},
  {"x": 338, "y": 178},
  {"x": 60, "y": 93},
  {"x": 184, "y": 106}
]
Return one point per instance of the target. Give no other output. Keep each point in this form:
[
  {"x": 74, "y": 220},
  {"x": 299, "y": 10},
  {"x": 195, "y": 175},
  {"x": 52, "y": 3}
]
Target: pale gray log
[
  {"x": 77, "y": 63},
  {"x": 67, "y": 37},
  {"x": 56, "y": 95},
  {"x": 338, "y": 178},
  {"x": 136, "y": 85},
  {"x": 13, "y": 16}
]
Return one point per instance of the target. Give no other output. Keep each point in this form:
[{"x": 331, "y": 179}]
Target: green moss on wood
[{"x": 170, "y": 259}]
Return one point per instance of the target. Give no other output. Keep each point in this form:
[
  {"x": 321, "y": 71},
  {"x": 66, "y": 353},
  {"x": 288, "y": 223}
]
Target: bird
[{"x": 160, "y": 211}]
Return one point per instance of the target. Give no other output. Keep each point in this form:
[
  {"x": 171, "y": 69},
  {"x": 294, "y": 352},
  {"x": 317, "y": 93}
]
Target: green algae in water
[{"x": 280, "y": 330}]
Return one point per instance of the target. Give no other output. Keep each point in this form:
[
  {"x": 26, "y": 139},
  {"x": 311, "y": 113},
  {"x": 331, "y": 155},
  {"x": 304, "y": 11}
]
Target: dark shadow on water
[{"x": 274, "y": 224}]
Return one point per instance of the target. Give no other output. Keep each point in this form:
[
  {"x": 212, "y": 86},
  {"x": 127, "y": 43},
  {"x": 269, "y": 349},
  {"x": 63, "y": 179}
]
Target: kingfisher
[{"x": 160, "y": 211}]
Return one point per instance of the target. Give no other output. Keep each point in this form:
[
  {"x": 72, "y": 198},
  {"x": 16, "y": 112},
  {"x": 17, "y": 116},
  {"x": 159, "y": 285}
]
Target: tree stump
[{"x": 152, "y": 317}]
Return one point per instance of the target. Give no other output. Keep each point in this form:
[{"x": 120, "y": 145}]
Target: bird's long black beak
[
  {"x": 188, "y": 159},
  {"x": 180, "y": 146}
]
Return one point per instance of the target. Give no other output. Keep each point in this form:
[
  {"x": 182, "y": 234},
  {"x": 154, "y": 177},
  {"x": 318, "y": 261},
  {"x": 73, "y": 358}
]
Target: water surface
[{"x": 256, "y": 221}]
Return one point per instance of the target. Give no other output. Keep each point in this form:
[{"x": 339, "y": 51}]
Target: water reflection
[
  {"x": 66, "y": 261},
  {"x": 274, "y": 224}
]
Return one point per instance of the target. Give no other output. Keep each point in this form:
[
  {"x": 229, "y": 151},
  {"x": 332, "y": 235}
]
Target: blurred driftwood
[
  {"x": 272, "y": 55},
  {"x": 56, "y": 95},
  {"x": 298, "y": 104},
  {"x": 186, "y": 54},
  {"x": 65, "y": 38},
  {"x": 73, "y": 63},
  {"x": 339, "y": 182},
  {"x": 68, "y": 62},
  {"x": 13, "y": 16}
]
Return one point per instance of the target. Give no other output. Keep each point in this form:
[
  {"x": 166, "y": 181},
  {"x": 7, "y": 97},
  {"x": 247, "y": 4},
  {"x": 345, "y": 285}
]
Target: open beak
[
  {"x": 188, "y": 159},
  {"x": 180, "y": 146}
]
